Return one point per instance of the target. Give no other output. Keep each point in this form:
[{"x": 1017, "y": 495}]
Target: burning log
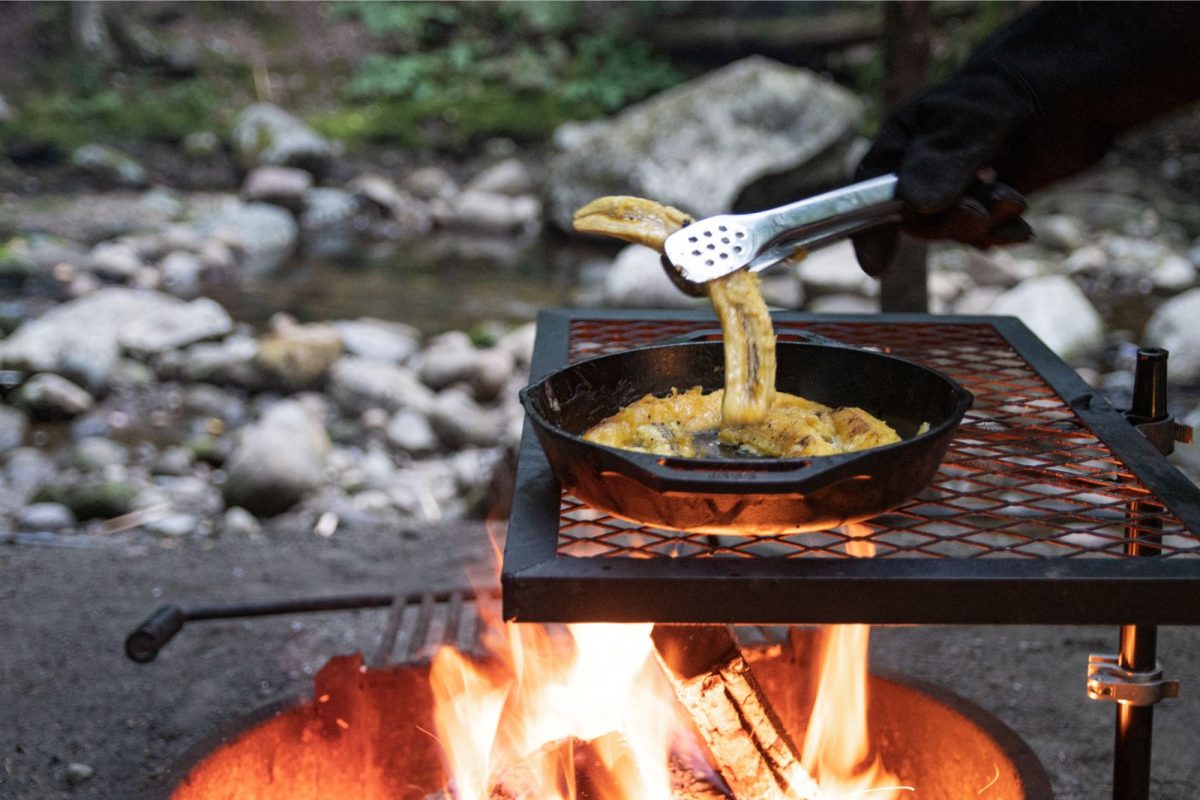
[{"x": 748, "y": 743}]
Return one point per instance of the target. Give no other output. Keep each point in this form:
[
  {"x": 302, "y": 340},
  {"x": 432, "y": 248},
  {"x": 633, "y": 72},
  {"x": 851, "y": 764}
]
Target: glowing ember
[{"x": 591, "y": 716}]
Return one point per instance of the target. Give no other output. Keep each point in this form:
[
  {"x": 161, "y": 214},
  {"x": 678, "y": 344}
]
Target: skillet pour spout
[{"x": 748, "y": 496}]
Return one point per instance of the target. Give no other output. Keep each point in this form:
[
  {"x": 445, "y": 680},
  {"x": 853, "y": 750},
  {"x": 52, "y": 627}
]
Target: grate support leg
[{"x": 1135, "y": 724}]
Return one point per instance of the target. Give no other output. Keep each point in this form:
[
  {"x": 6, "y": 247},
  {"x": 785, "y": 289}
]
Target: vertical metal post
[
  {"x": 907, "y": 53},
  {"x": 1139, "y": 643}
]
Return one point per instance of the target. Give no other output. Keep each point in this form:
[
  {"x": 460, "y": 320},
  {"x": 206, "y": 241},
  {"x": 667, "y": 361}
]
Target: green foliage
[
  {"x": 64, "y": 119},
  {"x": 465, "y": 71}
]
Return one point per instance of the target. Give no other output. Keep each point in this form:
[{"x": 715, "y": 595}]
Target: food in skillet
[{"x": 748, "y": 414}]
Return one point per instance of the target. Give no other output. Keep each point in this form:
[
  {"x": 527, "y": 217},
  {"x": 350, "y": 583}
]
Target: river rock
[
  {"x": 232, "y": 362},
  {"x": 1174, "y": 327},
  {"x": 281, "y": 186},
  {"x": 266, "y": 235},
  {"x": 117, "y": 263},
  {"x": 1057, "y": 311},
  {"x": 460, "y": 422},
  {"x": 842, "y": 304},
  {"x": 510, "y": 177},
  {"x": 49, "y": 396},
  {"x": 519, "y": 342},
  {"x": 109, "y": 165},
  {"x": 84, "y": 337},
  {"x": 701, "y": 145},
  {"x": 299, "y": 356},
  {"x": 379, "y": 339},
  {"x": 835, "y": 269},
  {"x": 1059, "y": 232},
  {"x": 26, "y": 469},
  {"x": 13, "y": 425},
  {"x": 217, "y": 257},
  {"x": 277, "y": 460},
  {"x": 358, "y": 384},
  {"x": 636, "y": 280},
  {"x": 182, "y": 274},
  {"x": 411, "y": 432},
  {"x": 199, "y": 145},
  {"x": 489, "y": 213},
  {"x": 327, "y": 209},
  {"x": 240, "y": 523},
  {"x": 173, "y": 526},
  {"x": 266, "y": 134},
  {"x": 1173, "y": 273},
  {"x": 45, "y": 517},
  {"x": 431, "y": 183},
  {"x": 378, "y": 190},
  {"x": 95, "y": 453}
]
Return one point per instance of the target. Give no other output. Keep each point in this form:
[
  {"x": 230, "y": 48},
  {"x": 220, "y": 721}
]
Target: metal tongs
[{"x": 714, "y": 247}]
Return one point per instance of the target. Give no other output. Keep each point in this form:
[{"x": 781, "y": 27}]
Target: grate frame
[{"x": 961, "y": 553}]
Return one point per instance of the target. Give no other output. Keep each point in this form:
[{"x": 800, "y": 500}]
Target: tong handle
[{"x": 863, "y": 200}]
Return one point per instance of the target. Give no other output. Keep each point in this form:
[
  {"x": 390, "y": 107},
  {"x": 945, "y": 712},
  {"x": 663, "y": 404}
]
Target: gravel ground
[{"x": 69, "y": 695}]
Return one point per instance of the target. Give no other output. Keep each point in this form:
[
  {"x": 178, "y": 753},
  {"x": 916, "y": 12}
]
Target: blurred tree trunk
[
  {"x": 89, "y": 30},
  {"x": 907, "y": 30}
]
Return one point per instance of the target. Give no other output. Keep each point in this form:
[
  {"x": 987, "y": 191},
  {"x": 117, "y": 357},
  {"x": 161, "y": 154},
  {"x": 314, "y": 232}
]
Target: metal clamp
[
  {"x": 1163, "y": 433},
  {"x": 1108, "y": 680}
]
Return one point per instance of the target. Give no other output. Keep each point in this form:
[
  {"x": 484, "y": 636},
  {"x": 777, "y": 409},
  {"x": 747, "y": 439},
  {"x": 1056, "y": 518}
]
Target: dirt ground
[{"x": 69, "y": 695}]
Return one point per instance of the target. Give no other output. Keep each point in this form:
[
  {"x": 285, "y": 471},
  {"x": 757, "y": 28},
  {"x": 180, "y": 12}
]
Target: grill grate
[{"x": 1041, "y": 471}]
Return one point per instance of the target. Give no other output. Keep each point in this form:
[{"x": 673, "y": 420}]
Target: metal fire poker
[{"x": 1133, "y": 678}]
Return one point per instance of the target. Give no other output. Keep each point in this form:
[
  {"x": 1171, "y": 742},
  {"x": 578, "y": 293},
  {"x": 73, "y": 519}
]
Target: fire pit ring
[{"x": 363, "y": 733}]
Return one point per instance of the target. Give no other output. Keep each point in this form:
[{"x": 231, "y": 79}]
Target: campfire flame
[{"x": 519, "y": 724}]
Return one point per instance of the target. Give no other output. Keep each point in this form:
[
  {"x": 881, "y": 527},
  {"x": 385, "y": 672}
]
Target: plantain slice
[
  {"x": 749, "y": 339},
  {"x": 749, "y": 348}
]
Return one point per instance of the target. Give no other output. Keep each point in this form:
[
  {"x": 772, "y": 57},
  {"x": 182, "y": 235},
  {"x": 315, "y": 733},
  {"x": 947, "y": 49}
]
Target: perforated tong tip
[{"x": 717, "y": 246}]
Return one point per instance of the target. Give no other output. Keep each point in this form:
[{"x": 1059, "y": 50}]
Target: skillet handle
[{"x": 751, "y": 476}]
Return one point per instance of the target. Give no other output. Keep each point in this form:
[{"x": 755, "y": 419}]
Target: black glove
[{"x": 1041, "y": 99}]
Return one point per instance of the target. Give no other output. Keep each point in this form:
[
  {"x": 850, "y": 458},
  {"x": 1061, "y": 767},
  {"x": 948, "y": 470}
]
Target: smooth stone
[
  {"x": 281, "y": 186},
  {"x": 13, "y": 424},
  {"x": 109, "y": 164},
  {"x": 26, "y": 469},
  {"x": 358, "y": 384},
  {"x": 636, "y": 280},
  {"x": 379, "y": 339},
  {"x": 173, "y": 526},
  {"x": 200, "y": 144},
  {"x": 45, "y": 517},
  {"x": 430, "y": 183},
  {"x": 379, "y": 190},
  {"x": 91, "y": 498},
  {"x": 96, "y": 453},
  {"x": 459, "y": 421},
  {"x": 264, "y": 134},
  {"x": 1174, "y": 326},
  {"x": 299, "y": 356},
  {"x": 84, "y": 337},
  {"x": 1059, "y": 232},
  {"x": 237, "y": 521},
  {"x": 755, "y": 128},
  {"x": 1057, "y": 311},
  {"x": 266, "y": 235},
  {"x": 489, "y": 213},
  {"x": 277, "y": 460},
  {"x": 117, "y": 263},
  {"x": 78, "y": 773},
  {"x": 233, "y": 362},
  {"x": 174, "y": 460},
  {"x": 835, "y": 269},
  {"x": 509, "y": 177},
  {"x": 182, "y": 274},
  {"x": 48, "y": 396},
  {"x": 1173, "y": 273},
  {"x": 411, "y": 432},
  {"x": 519, "y": 342},
  {"x": 325, "y": 208},
  {"x": 843, "y": 304}
]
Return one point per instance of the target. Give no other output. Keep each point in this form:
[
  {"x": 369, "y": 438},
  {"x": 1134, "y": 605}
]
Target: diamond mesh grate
[{"x": 1025, "y": 477}]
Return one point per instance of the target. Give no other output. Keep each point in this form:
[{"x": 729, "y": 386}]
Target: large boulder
[
  {"x": 277, "y": 460},
  {"x": 266, "y": 134},
  {"x": 1057, "y": 311},
  {"x": 1174, "y": 327},
  {"x": 756, "y": 128},
  {"x": 84, "y": 338}
]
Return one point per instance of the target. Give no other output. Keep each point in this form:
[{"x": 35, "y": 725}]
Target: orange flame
[{"x": 516, "y": 724}]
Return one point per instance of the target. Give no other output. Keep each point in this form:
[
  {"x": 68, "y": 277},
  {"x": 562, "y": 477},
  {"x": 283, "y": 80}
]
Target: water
[{"x": 437, "y": 283}]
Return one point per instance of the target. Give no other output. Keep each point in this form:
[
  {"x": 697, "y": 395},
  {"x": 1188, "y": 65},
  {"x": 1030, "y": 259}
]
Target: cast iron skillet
[{"x": 751, "y": 496}]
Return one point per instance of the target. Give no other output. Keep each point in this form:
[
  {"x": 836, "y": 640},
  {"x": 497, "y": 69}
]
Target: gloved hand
[{"x": 1041, "y": 99}]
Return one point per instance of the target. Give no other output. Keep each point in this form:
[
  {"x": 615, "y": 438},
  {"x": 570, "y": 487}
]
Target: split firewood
[{"x": 748, "y": 743}]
